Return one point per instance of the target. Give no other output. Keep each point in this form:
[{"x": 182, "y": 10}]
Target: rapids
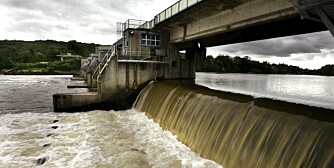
[{"x": 92, "y": 139}]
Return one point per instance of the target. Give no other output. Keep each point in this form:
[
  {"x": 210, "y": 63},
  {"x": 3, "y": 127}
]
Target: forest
[
  {"x": 41, "y": 55},
  {"x": 228, "y": 64}
]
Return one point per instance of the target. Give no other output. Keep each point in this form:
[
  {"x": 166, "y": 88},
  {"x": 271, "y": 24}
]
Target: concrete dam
[
  {"x": 240, "y": 131},
  {"x": 232, "y": 129}
]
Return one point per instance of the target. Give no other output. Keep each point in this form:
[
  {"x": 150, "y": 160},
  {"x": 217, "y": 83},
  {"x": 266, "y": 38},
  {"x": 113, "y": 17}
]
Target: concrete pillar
[
  {"x": 89, "y": 79},
  {"x": 200, "y": 55},
  {"x": 194, "y": 57},
  {"x": 183, "y": 66},
  {"x": 172, "y": 69}
]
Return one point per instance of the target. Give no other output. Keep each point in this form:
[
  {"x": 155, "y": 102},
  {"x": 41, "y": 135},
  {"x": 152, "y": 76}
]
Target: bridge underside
[
  {"x": 317, "y": 10},
  {"x": 280, "y": 28},
  {"x": 218, "y": 22}
]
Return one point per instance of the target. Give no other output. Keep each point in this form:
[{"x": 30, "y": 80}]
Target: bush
[{"x": 66, "y": 65}]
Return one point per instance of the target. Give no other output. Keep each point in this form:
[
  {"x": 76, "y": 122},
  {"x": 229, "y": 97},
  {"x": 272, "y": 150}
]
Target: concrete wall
[
  {"x": 120, "y": 80},
  {"x": 74, "y": 101}
]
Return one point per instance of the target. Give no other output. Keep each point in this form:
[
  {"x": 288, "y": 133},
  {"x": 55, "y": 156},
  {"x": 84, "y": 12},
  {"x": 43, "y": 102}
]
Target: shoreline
[{"x": 75, "y": 73}]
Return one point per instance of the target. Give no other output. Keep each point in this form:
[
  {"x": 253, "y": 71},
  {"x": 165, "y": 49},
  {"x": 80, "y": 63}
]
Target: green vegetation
[
  {"x": 227, "y": 64},
  {"x": 41, "y": 55},
  {"x": 51, "y": 67}
]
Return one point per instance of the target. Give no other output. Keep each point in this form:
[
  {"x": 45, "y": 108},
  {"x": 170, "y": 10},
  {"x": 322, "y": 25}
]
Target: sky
[{"x": 94, "y": 21}]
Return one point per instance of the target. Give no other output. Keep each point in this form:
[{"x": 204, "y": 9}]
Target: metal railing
[
  {"x": 174, "y": 9},
  {"x": 167, "y": 13},
  {"x": 140, "y": 56},
  {"x": 148, "y": 24},
  {"x": 139, "y": 53},
  {"x": 133, "y": 24},
  {"x": 104, "y": 63}
]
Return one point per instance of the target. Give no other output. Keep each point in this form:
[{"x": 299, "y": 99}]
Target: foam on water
[{"x": 92, "y": 139}]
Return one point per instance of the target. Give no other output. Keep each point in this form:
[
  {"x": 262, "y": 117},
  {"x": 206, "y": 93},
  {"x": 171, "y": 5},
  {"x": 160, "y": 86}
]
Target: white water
[{"x": 92, "y": 139}]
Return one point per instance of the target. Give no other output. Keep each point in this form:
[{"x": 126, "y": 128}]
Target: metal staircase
[{"x": 103, "y": 65}]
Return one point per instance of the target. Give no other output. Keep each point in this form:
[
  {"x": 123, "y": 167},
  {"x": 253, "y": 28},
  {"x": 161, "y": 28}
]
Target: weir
[
  {"x": 234, "y": 130},
  {"x": 241, "y": 131}
]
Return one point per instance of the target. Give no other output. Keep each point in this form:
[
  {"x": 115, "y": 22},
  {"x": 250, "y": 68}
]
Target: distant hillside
[
  {"x": 227, "y": 64},
  {"x": 13, "y": 51}
]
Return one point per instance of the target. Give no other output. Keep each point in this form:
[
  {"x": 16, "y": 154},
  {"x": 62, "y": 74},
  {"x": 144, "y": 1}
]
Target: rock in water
[
  {"x": 46, "y": 145},
  {"x": 41, "y": 161}
]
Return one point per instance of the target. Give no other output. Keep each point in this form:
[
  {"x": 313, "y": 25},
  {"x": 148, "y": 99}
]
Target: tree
[
  {"x": 326, "y": 70},
  {"x": 74, "y": 47}
]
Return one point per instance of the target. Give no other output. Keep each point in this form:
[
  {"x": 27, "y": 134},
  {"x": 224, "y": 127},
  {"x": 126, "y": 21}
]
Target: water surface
[
  {"x": 90, "y": 139},
  {"x": 25, "y": 93},
  {"x": 305, "y": 89}
]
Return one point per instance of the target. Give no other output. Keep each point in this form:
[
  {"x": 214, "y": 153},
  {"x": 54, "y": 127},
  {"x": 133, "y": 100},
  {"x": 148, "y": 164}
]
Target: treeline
[
  {"x": 50, "y": 67},
  {"x": 227, "y": 64},
  {"x": 13, "y": 52}
]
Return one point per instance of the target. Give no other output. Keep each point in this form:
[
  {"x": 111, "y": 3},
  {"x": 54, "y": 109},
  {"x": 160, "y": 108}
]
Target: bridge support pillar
[{"x": 182, "y": 64}]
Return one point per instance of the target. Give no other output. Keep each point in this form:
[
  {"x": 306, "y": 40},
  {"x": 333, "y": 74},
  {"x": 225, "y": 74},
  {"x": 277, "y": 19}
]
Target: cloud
[
  {"x": 304, "y": 57},
  {"x": 94, "y": 21},
  {"x": 88, "y": 20},
  {"x": 283, "y": 47}
]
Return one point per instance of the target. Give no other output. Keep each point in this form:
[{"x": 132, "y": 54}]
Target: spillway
[{"x": 241, "y": 131}]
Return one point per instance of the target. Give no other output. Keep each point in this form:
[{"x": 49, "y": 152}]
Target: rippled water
[
  {"x": 305, "y": 89},
  {"x": 91, "y": 139},
  {"x": 32, "y": 93}
]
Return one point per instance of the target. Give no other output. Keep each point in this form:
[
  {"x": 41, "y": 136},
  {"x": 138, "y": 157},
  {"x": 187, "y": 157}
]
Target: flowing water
[
  {"x": 232, "y": 129},
  {"x": 237, "y": 131},
  {"x": 29, "y": 131}
]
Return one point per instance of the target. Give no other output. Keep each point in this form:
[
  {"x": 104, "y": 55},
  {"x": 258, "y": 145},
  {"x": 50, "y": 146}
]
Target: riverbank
[{"x": 13, "y": 72}]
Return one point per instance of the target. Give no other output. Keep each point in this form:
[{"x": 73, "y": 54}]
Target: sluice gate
[{"x": 241, "y": 131}]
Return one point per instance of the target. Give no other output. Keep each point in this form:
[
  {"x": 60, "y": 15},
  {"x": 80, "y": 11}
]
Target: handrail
[
  {"x": 134, "y": 24},
  {"x": 105, "y": 65},
  {"x": 169, "y": 12},
  {"x": 104, "y": 62},
  {"x": 122, "y": 58},
  {"x": 139, "y": 53},
  {"x": 174, "y": 9}
]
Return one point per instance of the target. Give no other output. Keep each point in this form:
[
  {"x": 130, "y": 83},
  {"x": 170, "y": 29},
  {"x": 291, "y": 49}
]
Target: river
[
  {"x": 304, "y": 89},
  {"x": 29, "y": 130}
]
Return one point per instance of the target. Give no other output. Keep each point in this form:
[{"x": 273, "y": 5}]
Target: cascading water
[{"x": 233, "y": 131}]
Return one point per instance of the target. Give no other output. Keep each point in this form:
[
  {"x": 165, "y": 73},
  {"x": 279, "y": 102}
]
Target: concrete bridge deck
[{"x": 219, "y": 22}]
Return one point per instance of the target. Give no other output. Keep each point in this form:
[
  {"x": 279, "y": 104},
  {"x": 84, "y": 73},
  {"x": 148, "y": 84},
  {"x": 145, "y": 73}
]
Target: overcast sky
[{"x": 94, "y": 21}]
